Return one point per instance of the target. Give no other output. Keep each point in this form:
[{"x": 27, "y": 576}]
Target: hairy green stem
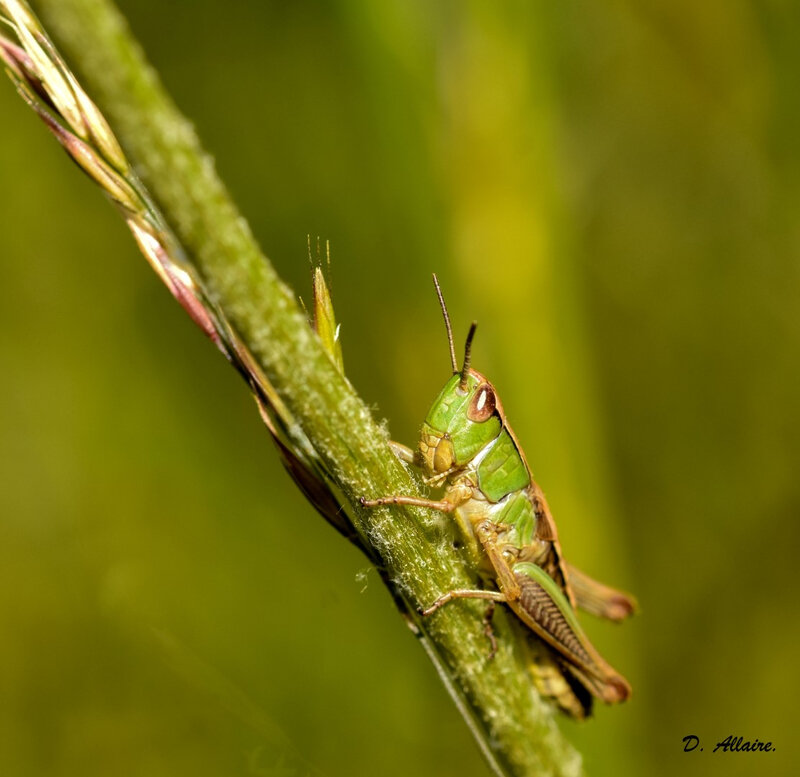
[{"x": 513, "y": 725}]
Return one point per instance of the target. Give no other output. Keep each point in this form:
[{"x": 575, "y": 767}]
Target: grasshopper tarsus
[{"x": 427, "y": 611}]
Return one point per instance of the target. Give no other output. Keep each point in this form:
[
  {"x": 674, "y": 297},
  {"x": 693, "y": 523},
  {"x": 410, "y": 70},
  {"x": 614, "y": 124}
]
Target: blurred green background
[{"x": 611, "y": 189}]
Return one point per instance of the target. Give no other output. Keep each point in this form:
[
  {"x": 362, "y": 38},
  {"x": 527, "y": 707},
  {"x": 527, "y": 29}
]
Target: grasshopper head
[
  {"x": 466, "y": 415},
  {"x": 461, "y": 422}
]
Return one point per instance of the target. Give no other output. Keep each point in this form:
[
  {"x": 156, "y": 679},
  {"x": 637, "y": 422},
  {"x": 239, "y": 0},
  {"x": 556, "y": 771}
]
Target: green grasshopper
[{"x": 467, "y": 446}]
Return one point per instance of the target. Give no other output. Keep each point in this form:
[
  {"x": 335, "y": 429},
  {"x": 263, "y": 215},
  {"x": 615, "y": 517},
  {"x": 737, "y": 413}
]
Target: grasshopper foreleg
[
  {"x": 403, "y": 452},
  {"x": 409, "y": 456}
]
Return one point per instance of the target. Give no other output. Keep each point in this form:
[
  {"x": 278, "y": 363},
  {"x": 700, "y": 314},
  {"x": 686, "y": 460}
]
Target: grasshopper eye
[{"x": 483, "y": 404}]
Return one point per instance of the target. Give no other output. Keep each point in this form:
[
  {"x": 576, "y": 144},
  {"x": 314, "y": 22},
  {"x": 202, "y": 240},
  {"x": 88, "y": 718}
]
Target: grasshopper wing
[{"x": 599, "y": 599}]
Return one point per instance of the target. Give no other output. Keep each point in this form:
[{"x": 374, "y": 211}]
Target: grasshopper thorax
[{"x": 463, "y": 420}]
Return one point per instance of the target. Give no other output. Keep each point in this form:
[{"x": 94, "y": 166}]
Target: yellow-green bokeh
[{"x": 611, "y": 190}]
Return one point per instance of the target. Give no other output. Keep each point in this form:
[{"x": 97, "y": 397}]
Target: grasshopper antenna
[
  {"x": 467, "y": 353},
  {"x": 447, "y": 324}
]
